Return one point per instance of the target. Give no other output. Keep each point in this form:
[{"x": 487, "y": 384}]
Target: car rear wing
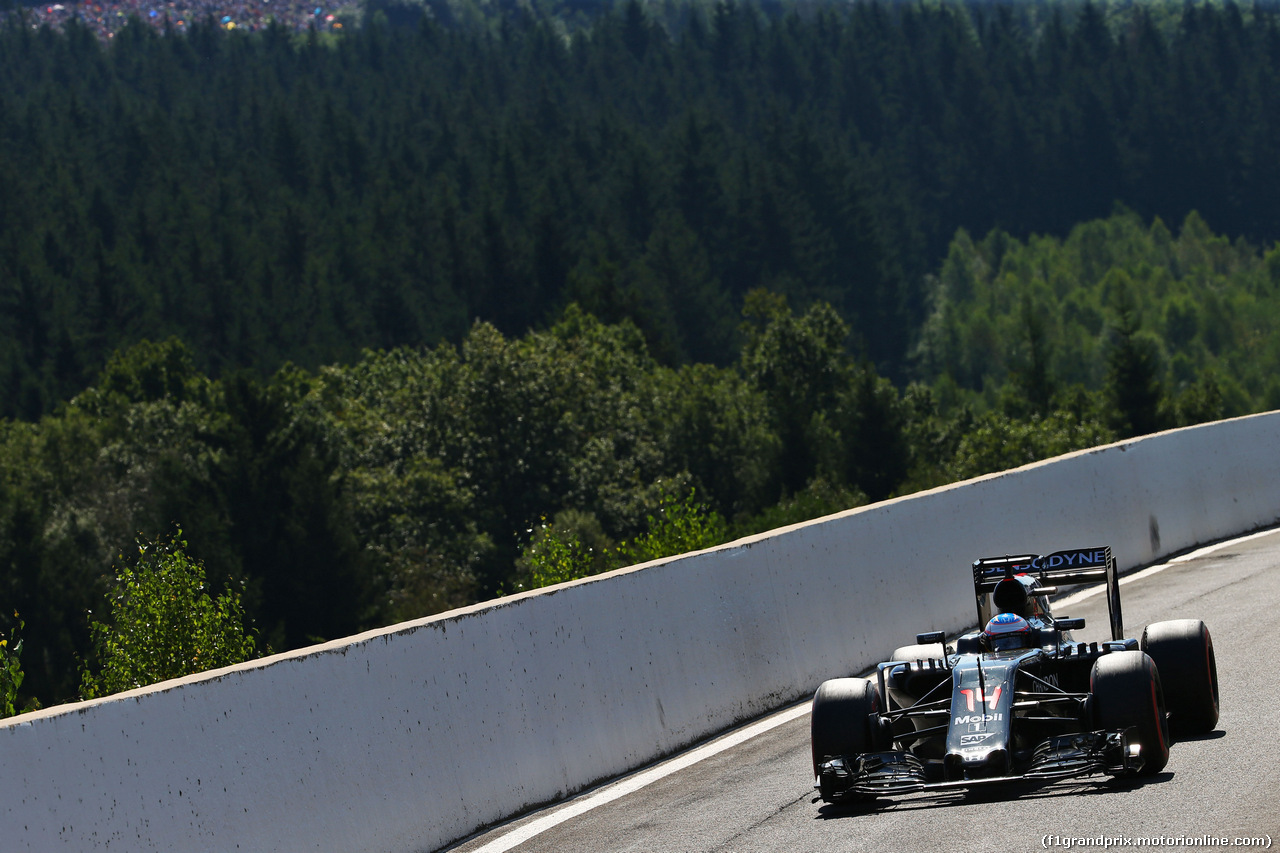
[{"x": 1072, "y": 567}]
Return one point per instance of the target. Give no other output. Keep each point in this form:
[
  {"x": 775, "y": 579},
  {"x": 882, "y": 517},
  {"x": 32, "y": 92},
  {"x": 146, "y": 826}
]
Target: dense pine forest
[
  {"x": 273, "y": 198},
  {"x": 381, "y": 319}
]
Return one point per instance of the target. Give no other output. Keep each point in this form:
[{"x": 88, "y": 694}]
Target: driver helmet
[{"x": 1007, "y": 631}]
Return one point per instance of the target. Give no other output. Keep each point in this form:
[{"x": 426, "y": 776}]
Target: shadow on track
[
  {"x": 1216, "y": 734},
  {"x": 987, "y": 795}
]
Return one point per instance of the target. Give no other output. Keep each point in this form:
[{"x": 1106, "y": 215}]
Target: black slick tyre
[
  {"x": 1127, "y": 693},
  {"x": 1183, "y": 652},
  {"x": 840, "y": 721}
]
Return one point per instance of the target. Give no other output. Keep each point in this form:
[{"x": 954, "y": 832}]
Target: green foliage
[
  {"x": 557, "y": 553},
  {"x": 418, "y": 288},
  {"x": 149, "y": 372},
  {"x": 395, "y": 486},
  {"x": 11, "y": 675},
  {"x": 817, "y": 499},
  {"x": 681, "y": 525},
  {"x": 397, "y": 182},
  {"x": 998, "y": 443},
  {"x": 575, "y": 546},
  {"x": 163, "y": 624},
  {"x": 288, "y": 514},
  {"x": 799, "y": 364},
  {"x": 1207, "y": 399},
  {"x": 719, "y": 429},
  {"x": 1133, "y": 386},
  {"x": 1119, "y": 308},
  {"x": 509, "y": 430}
]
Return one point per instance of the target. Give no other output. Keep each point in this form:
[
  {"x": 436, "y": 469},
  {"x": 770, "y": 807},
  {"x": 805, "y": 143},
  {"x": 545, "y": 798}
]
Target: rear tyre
[
  {"x": 840, "y": 723},
  {"x": 1126, "y": 693},
  {"x": 1183, "y": 652}
]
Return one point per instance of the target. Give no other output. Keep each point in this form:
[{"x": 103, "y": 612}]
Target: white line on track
[
  {"x": 584, "y": 804},
  {"x": 631, "y": 784}
]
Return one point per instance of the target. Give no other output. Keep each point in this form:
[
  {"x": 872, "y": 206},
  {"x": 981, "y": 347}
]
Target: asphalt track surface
[{"x": 756, "y": 795}]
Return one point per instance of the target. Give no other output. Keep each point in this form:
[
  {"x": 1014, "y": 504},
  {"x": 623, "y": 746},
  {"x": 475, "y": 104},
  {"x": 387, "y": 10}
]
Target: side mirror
[
  {"x": 931, "y": 637},
  {"x": 1068, "y": 624}
]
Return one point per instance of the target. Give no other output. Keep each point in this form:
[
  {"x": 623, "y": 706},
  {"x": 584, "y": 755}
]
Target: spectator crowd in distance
[{"x": 107, "y": 17}]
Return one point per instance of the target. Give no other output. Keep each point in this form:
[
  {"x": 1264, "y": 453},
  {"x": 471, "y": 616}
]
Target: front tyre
[
  {"x": 1127, "y": 693},
  {"x": 1183, "y": 652},
  {"x": 841, "y": 720}
]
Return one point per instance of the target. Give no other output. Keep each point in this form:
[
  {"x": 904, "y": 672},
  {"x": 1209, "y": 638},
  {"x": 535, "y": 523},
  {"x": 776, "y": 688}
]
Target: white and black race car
[{"x": 1018, "y": 700}]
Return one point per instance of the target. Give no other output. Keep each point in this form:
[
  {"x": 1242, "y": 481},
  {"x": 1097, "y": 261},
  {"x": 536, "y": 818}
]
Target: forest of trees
[
  {"x": 412, "y": 480},
  {"x": 379, "y": 321},
  {"x": 273, "y": 198}
]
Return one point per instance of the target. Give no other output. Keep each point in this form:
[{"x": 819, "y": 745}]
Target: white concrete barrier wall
[{"x": 409, "y": 738}]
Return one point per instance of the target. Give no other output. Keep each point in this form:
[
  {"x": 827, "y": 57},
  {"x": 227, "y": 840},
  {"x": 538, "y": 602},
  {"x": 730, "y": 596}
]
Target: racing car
[{"x": 1018, "y": 699}]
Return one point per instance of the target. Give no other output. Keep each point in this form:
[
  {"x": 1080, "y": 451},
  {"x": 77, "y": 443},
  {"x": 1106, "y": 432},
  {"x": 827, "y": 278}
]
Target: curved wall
[{"x": 411, "y": 737}]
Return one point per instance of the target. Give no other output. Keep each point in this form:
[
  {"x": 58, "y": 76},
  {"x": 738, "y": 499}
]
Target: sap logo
[
  {"x": 1070, "y": 559},
  {"x": 978, "y": 718},
  {"x": 970, "y": 740}
]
